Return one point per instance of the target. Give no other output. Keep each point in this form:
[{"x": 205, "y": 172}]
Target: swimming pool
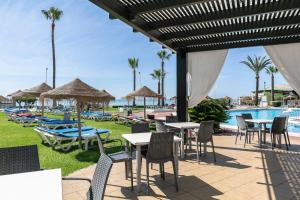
[{"x": 294, "y": 127}]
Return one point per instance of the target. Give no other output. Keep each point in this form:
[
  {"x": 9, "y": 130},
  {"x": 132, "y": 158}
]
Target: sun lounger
[
  {"x": 57, "y": 123},
  {"x": 55, "y": 137}
]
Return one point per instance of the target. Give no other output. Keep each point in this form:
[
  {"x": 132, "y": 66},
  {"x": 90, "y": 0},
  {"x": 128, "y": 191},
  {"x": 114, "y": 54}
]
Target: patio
[{"x": 239, "y": 173}]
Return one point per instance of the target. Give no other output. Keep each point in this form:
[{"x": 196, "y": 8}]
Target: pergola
[{"x": 189, "y": 26}]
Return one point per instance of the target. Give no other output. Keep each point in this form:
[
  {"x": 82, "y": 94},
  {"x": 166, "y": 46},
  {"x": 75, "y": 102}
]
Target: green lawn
[{"x": 12, "y": 134}]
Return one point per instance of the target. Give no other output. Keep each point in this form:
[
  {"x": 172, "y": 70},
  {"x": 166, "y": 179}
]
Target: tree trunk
[
  {"x": 163, "y": 82},
  {"x": 134, "y": 85},
  {"x": 272, "y": 87},
  {"x": 256, "y": 90},
  {"x": 53, "y": 59},
  {"x": 158, "y": 92}
]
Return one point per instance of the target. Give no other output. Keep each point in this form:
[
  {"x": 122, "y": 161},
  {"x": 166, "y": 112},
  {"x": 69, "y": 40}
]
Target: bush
[
  {"x": 275, "y": 103},
  {"x": 209, "y": 109}
]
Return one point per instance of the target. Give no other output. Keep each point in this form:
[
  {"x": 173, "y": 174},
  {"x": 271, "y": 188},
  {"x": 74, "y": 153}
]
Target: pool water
[{"x": 266, "y": 114}]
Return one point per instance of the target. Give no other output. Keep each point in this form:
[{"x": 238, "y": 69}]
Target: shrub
[
  {"x": 275, "y": 103},
  {"x": 209, "y": 109}
]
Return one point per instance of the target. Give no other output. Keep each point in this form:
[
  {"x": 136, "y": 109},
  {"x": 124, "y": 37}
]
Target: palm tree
[
  {"x": 163, "y": 55},
  {"x": 133, "y": 64},
  {"x": 271, "y": 70},
  {"x": 257, "y": 64},
  {"x": 53, "y": 14},
  {"x": 157, "y": 75}
]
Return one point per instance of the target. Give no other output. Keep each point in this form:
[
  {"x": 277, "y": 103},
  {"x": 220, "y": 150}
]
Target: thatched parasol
[
  {"x": 16, "y": 92},
  {"x": 107, "y": 99},
  {"x": 79, "y": 91},
  {"x": 21, "y": 94},
  {"x": 38, "y": 90},
  {"x": 143, "y": 92}
]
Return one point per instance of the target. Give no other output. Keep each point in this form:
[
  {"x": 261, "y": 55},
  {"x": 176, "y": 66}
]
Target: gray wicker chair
[
  {"x": 243, "y": 128},
  {"x": 160, "y": 151},
  {"x": 171, "y": 119},
  {"x": 286, "y": 127},
  {"x": 248, "y": 116},
  {"x": 279, "y": 128},
  {"x": 122, "y": 156},
  {"x": 99, "y": 180},
  {"x": 205, "y": 135},
  {"x": 140, "y": 128},
  {"x": 19, "y": 159},
  {"x": 159, "y": 125}
]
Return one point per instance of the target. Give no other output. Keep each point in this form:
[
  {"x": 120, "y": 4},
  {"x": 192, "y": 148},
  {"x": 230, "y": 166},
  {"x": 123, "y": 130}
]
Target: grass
[{"x": 13, "y": 134}]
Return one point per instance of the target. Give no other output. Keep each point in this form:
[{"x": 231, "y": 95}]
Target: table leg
[
  {"x": 138, "y": 168},
  {"x": 175, "y": 152},
  {"x": 260, "y": 134},
  {"x": 182, "y": 143}
]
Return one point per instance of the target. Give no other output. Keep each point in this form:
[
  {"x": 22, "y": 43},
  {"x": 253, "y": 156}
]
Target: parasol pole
[
  {"x": 79, "y": 123},
  {"x": 43, "y": 104},
  {"x": 144, "y": 107}
]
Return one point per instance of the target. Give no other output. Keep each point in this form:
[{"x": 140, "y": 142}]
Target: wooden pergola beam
[{"x": 226, "y": 14}]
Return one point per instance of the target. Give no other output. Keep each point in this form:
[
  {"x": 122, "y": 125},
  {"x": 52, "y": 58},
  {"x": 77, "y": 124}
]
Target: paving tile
[{"x": 239, "y": 174}]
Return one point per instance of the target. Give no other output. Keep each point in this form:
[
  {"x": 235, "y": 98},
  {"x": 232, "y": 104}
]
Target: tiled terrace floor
[{"x": 240, "y": 173}]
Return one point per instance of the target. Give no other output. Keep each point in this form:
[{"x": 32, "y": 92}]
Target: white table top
[
  {"x": 139, "y": 139},
  {"x": 39, "y": 185},
  {"x": 260, "y": 121},
  {"x": 185, "y": 125}
]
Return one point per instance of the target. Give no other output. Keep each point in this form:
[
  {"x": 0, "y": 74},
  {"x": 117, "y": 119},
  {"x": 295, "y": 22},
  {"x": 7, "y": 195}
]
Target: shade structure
[
  {"x": 109, "y": 96},
  {"x": 16, "y": 92},
  {"x": 79, "y": 91},
  {"x": 21, "y": 94},
  {"x": 38, "y": 90},
  {"x": 143, "y": 92}
]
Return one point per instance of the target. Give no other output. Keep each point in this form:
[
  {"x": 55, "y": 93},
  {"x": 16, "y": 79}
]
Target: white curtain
[
  {"x": 286, "y": 58},
  {"x": 203, "y": 71}
]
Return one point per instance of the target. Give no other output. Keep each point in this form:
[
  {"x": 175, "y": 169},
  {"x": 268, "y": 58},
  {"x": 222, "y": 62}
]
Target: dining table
[
  {"x": 183, "y": 126},
  {"x": 36, "y": 185},
  {"x": 141, "y": 139},
  {"x": 262, "y": 124}
]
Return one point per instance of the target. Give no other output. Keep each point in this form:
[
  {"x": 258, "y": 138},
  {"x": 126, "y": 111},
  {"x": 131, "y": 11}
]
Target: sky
[{"x": 95, "y": 49}]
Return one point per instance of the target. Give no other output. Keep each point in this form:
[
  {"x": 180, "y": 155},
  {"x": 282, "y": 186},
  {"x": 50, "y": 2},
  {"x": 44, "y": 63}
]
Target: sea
[{"x": 139, "y": 102}]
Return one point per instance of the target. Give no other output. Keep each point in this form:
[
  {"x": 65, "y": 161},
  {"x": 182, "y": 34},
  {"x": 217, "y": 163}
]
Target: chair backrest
[
  {"x": 286, "y": 120},
  {"x": 205, "y": 131},
  {"x": 160, "y": 148},
  {"x": 160, "y": 127},
  {"x": 19, "y": 159},
  {"x": 278, "y": 125},
  {"x": 171, "y": 119},
  {"x": 248, "y": 116},
  {"x": 100, "y": 177},
  {"x": 241, "y": 123},
  {"x": 140, "y": 128}
]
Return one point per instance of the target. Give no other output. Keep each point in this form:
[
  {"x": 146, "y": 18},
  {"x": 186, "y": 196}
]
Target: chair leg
[
  {"x": 131, "y": 174},
  {"x": 126, "y": 170},
  {"x": 197, "y": 146},
  {"x": 147, "y": 171},
  {"x": 246, "y": 135},
  {"x": 163, "y": 170},
  {"x": 288, "y": 137},
  {"x": 175, "y": 175},
  {"x": 236, "y": 136},
  {"x": 213, "y": 148},
  {"x": 160, "y": 170},
  {"x": 286, "y": 144}
]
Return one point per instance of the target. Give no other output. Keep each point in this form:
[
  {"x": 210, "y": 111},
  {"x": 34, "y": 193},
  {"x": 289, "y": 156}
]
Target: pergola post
[{"x": 181, "y": 69}]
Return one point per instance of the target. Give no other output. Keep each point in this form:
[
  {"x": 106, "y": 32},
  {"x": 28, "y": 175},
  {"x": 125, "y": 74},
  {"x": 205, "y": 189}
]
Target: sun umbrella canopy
[
  {"x": 16, "y": 92},
  {"x": 76, "y": 89},
  {"x": 38, "y": 90},
  {"x": 109, "y": 96},
  {"x": 21, "y": 94},
  {"x": 143, "y": 92}
]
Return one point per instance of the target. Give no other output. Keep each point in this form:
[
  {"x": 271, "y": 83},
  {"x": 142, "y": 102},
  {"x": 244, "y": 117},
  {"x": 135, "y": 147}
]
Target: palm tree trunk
[
  {"x": 163, "y": 81},
  {"x": 158, "y": 92},
  {"x": 134, "y": 85},
  {"x": 53, "y": 58},
  {"x": 272, "y": 87},
  {"x": 256, "y": 90}
]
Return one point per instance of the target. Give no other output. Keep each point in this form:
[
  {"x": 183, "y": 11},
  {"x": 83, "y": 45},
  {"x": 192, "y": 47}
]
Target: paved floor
[{"x": 239, "y": 173}]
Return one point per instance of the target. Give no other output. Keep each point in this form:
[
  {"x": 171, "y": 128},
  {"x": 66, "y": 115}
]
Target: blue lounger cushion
[{"x": 73, "y": 132}]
